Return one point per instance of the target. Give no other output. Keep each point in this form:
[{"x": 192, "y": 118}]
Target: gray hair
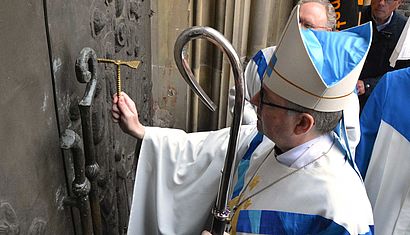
[
  {"x": 325, "y": 122},
  {"x": 330, "y": 11}
]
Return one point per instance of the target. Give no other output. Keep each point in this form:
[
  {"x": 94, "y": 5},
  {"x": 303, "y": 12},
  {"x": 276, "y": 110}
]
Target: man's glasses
[
  {"x": 272, "y": 104},
  {"x": 308, "y": 25}
]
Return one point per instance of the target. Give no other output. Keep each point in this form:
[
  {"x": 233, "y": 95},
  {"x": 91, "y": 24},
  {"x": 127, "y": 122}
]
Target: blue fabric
[
  {"x": 279, "y": 222},
  {"x": 388, "y": 102},
  {"x": 244, "y": 164},
  {"x": 325, "y": 50},
  {"x": 260, "y": 61},
  {"x": 341, "y": 133},
  {"x": 272, "y": 62}
]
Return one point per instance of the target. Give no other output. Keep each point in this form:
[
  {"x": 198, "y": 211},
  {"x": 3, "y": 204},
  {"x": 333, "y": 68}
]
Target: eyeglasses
[
  {"x": 272, "y": 104},
  {"x": 308, "y": 25},
  {"x": 390, "y": 1}
]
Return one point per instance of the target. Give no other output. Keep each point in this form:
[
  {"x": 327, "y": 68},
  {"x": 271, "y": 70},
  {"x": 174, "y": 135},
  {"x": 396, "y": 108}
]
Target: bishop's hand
[{"x": 125, "y": 113}]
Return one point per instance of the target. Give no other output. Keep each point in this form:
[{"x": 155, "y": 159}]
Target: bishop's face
[{"x": 275, "y": 120}]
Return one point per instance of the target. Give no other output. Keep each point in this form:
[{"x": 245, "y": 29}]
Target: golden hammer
[{"x": 132, "y": 64}]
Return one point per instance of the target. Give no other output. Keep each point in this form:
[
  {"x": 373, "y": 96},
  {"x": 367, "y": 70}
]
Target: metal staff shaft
[{"x": 221, "y": 211}]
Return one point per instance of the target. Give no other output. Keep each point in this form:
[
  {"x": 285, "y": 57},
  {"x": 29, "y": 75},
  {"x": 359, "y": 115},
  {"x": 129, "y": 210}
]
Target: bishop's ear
[{"x": 305, "y": 123}]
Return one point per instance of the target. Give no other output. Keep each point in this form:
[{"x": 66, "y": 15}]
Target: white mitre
[{"x": 318, "y": 69}]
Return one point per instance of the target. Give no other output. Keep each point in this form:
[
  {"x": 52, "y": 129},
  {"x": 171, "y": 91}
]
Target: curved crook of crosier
[{"x": 221, "y": 211}]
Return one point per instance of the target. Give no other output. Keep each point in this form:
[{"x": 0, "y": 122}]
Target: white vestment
[
  {"x": 177, "y": 179},
  {"x": 383, "y": 154},
  {"x": 325, "y": 196},
  {"x": 178, "y": 176}
]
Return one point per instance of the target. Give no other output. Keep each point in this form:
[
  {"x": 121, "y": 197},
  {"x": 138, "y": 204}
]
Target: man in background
[{"x": 388, "y": 25}]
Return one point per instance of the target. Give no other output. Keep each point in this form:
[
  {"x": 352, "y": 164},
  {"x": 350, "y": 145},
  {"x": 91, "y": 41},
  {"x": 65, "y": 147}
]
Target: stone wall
[{"x": 405, "y": 8}]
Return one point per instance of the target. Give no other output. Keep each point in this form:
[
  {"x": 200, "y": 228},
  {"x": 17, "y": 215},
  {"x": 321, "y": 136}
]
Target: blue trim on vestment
[
  {"x": 272, "y": 63},
  {"x": 397, "y": 97},
  {"x": 340, "y": 131},
  {"x": 279, "y": 222},
  {"x": 244, "y": 164},
  {"x": 261, "y": 63},
  {"x": 387, "y": 102}
]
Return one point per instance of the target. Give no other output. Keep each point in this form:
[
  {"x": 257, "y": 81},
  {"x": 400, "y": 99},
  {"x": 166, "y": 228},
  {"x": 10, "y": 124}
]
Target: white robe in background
[{"x": 383, "y": 154}]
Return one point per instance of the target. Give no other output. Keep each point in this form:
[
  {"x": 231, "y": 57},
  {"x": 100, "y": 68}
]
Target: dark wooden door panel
[
  {"x": 117, "y": 30},
  {"x": 32, "y": 178},
  {"x": 39, "y": 97}
]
